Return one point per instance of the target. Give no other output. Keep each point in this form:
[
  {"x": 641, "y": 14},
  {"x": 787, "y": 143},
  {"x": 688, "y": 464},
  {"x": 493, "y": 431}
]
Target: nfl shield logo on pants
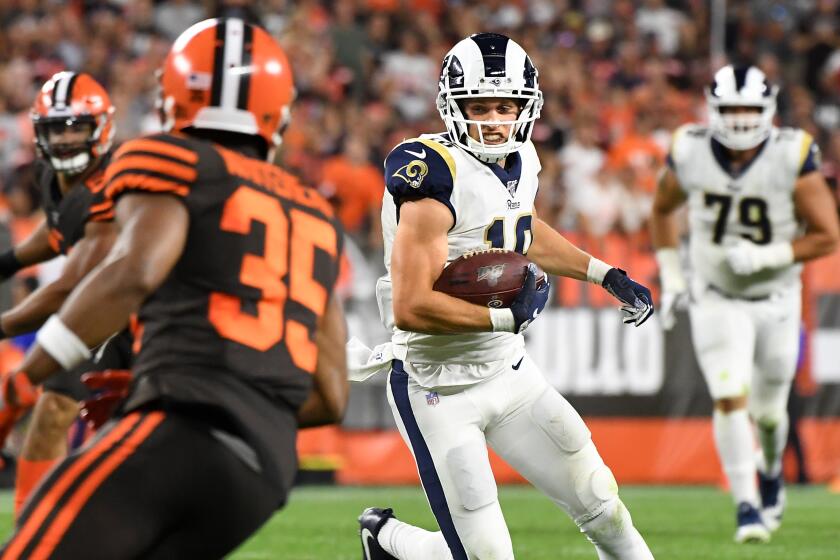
[{"x": 432, "y": 399}]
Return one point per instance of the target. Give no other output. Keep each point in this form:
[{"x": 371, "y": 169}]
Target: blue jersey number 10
[{"x": 494, "y": 235}]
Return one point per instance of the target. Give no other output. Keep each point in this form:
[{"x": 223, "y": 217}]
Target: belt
[{"x": 742, "y": 298}]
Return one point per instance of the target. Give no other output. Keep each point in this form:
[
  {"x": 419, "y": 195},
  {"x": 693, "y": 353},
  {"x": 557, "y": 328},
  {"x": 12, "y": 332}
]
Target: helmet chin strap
[{"x": 489, "y": 158}]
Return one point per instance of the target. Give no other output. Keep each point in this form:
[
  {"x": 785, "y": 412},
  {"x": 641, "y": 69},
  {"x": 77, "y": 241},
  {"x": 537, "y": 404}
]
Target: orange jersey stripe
[
  {"x": 96, "y": 208},
  {"x": 158, "y": 147},
  {"x": 69, "y": 512},
  {"x": 137, "y": 328},
  {"x": 98, "y": 186},
  {"x": 45, "y": 505},
  {"x": 106, "y": 217},
  {"x": 138, "y": 163},
  {"x": 54, "y": 240},
  {"x": 96, "y": 183},
  {"x": 145, "y": 183}
]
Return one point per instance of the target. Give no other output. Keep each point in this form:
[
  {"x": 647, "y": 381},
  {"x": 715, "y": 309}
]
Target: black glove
[
  {"x": 636, "y": 299},
  {"x": 530, "y": 301}
]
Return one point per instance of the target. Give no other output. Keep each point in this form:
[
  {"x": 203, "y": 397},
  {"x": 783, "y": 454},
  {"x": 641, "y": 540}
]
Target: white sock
[
  {"x": 736, "y": 449},
  {"x": 773, "y": 439},
  {"x": 407, "y": 542}
]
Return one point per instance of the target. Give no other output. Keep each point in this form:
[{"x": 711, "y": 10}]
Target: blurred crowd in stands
[{"x": 618, "y": 76}]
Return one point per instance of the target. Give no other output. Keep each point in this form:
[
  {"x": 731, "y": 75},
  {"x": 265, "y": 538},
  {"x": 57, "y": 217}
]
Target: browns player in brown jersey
[
  {"x": 230, "y": 264},
  {"x": 73, "y": 120}
]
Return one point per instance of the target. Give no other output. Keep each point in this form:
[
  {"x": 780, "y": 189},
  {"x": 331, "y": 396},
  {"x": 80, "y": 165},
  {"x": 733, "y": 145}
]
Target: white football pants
[
  {"x": 748, "y": 347},
  {"x": 534, "y": 429}
]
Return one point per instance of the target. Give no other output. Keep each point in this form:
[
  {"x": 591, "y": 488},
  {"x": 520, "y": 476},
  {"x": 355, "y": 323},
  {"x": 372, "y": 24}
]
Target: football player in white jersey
[
  {"x": 460, "y": 378},
  {"x": 758, "y": 207}
]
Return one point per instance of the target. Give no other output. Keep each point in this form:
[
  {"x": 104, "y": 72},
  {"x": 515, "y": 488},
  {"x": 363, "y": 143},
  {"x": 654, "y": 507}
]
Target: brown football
[{"x": 492, "y": 277}]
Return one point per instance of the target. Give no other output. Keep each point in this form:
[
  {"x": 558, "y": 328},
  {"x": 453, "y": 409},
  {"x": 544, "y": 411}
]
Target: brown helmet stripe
[
  {"x": 245, "y": 77},
  {"x": 218, "y": 64},
  {"x": 63, "y": 90}
]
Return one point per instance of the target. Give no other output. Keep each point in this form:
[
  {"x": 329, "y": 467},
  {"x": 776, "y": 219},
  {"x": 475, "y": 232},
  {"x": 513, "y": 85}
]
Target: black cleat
[
  {"x": 773, "y": 499},
  {"x": 370, "y": 522}
]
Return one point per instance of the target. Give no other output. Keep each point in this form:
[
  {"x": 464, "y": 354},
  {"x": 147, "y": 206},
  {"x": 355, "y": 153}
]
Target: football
[{"x": 492, "y": 277}]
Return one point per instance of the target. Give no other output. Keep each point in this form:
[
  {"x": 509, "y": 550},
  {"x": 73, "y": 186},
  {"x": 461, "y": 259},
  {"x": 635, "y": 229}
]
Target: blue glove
[
  {"x": 530, "y": 301},
  {"x": 636, "y": 299}
]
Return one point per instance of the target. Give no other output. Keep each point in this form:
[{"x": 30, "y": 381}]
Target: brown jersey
[
  {"x": 232, "y": 327},
  {"x": 69, "y": 213}
]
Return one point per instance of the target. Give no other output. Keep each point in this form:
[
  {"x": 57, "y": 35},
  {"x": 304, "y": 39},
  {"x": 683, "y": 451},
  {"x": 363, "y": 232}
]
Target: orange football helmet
[
  {"x": 75, "y": 102},
  {"x": 226, "y": 74}
]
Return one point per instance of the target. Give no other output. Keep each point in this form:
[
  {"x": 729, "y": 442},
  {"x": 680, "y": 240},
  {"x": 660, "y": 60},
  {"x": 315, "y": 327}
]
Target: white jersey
[
  {"x": 493, "y": 208},
  {"x": 755, "y": 204}
]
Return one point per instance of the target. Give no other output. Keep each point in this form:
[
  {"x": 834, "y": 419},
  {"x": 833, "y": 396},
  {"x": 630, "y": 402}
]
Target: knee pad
[
  {"x": 594, "y": 482},
  {"x": 560, "y": 421},
  {"x": 470, "y": 471}
]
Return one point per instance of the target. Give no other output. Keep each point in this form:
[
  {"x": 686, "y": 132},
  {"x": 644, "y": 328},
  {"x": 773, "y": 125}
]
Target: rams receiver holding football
[
  {"x": 758, "y": 207},
  {"x": 460, "y": 377}
]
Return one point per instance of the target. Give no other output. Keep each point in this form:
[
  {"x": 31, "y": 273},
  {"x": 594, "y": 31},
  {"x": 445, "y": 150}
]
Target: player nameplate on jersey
[
  {"x": 491, "y": 273},
  {"x": 512, "y": 204},
  {"x": 734, "y": 187}
]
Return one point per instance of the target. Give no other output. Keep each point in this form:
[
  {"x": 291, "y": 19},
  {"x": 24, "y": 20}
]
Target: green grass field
[{"x": 684, "y": 523}]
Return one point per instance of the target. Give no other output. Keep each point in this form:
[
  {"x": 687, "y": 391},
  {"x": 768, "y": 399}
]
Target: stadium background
[{"x": 618, "y": 77}]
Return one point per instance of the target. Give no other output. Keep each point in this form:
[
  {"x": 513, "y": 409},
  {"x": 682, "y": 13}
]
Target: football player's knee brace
[
  {"x": 560, "y": 421},
  {"x": 594, "y": 483},
  {"x": 470, "y": 471}
]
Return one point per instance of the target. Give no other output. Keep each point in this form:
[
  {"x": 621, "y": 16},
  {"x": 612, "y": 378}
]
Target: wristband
[
  {"x": 778, "y": 255},
  {"x": 62, "y": 344},
  {"x": 596, "y": 270},
  {"x": 670, "y": 270},
  {"x": 9, "y": 264},
  {"x": 502, "y": 320}
]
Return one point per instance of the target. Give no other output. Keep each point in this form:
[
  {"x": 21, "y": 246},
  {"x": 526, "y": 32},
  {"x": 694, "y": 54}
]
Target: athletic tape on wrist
[
  {"x": 596, "y": 270},
  {"x": 781, "y": 254},
  {"x": 670, "y": 270},
  {"x": 502, "y": 320},
  {"x": 62, "y": 344}
]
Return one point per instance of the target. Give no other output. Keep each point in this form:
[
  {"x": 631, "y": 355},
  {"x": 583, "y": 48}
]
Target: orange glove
[{"x": 18, "y": 396}]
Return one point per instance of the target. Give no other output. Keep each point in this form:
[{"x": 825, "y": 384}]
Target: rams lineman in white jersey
[
  {"x": 758, "y": 208},
  {"x": 460, "y": 378}
]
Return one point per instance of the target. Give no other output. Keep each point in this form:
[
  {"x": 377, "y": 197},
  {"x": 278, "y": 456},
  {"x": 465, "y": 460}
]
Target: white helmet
[
  {"x": 741, "y": 86},
  {"x": 488, "y": 65}
]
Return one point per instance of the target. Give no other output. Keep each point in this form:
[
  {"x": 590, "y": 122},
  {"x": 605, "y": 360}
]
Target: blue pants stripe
[{"x": 425, "y": 465}]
